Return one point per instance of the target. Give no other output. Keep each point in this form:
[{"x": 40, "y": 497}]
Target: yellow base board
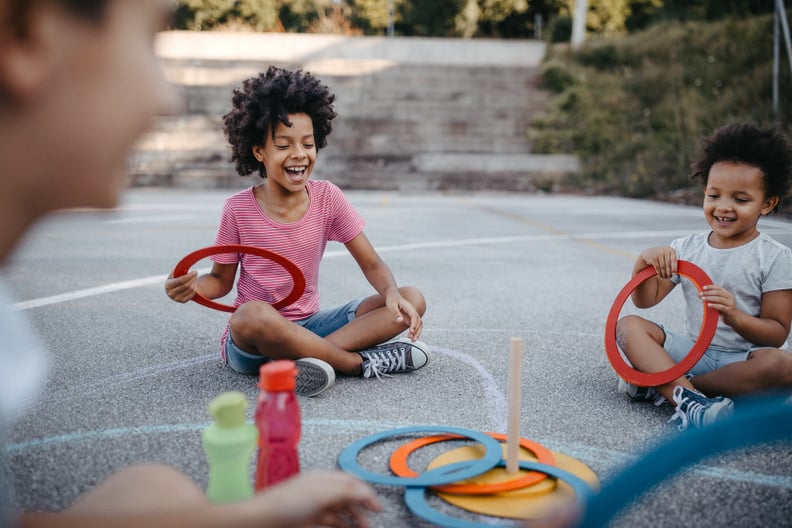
[{"x": 527, "y": 503}]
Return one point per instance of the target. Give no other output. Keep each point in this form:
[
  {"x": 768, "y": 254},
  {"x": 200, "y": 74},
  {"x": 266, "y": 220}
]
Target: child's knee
[
  {"x": 625, "y": 327},
  {"x": 773, "y": 366},
  {"x": 250, "y": 318},
  {"x": 631, "y": 327},
  {"x": 416, "y": 298}
]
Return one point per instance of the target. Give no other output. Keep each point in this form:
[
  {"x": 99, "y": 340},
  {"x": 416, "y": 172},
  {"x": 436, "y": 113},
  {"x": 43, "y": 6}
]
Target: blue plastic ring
[
  {"x": 754, "y": 422},
  {"x": 417, "y": 503},
  {"x": 446, "y": 474}
]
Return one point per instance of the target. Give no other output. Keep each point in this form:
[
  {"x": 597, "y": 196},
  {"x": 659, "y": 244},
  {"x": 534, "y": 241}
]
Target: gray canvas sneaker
[
  {"x": 394, "y": 357},
  {"x": 695, "y": 409},
  {"x": 314, "y": 376}
]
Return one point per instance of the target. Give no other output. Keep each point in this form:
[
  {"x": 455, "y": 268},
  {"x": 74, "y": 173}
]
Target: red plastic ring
[
  {"x": 708, "y": 325},
  {"x": 398, "y": 465},
  {"x": 298, "y": 279}
]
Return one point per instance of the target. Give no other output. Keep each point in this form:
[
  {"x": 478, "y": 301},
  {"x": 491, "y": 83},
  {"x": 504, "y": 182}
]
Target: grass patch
[{"x": 633, "y": 108}]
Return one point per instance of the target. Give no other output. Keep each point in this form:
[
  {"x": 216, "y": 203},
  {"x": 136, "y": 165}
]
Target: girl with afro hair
[{"x": 278, "y": 122}]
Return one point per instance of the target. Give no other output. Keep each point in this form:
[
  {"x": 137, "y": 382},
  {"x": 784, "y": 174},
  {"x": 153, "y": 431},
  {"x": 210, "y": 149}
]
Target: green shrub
[
  {"x": 633, "y": 108},
  {"x": 557, "y": 75},
  {"x": 559, "y": 29}
]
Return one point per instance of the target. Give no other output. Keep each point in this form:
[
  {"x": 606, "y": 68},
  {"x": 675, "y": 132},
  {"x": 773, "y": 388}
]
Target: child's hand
[
  {"x": 716, "y": 297},
  {"x": 319, "y": 499},
  {"x": 404, "y": 311},
  {"x": 662, "y": 259},
  {"x": 181, "y": 289}
]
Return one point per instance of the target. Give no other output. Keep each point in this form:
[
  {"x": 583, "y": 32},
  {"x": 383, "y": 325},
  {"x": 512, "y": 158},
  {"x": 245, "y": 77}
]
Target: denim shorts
[
  {"x": 322, "y": 323},
  {"x": 679, "y": 346}
]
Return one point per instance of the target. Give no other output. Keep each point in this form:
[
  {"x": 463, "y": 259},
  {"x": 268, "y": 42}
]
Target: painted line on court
[
  {"x": 91, "y": 292},
  {"x": 148, "y": 219},
  {"x": 159, "y": 279},
  {"x": 587, "y": 454},
  {"x": 619, "y": 459},
  {"x": 501, "y": 331},
  {"x": 86, "y": 389},
  {"x": 344, "y": 426},
  {"x": 551, "y": 229},
  {"x": 495, "y": 397}
]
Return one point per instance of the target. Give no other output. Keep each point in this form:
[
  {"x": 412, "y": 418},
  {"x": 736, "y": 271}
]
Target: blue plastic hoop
[
  {"x": 446, "y": 474},
  {"x": 416, "y": 497},
  {"x": 754, "y": 422}
]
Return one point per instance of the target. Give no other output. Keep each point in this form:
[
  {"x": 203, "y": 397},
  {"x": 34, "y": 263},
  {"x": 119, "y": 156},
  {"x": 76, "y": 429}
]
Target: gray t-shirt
[{"x": 748, "y": 271}]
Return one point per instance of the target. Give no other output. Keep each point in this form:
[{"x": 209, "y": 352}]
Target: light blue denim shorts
[
  {"x": 679, "y": 346},
  {"x": 322, "y": 323}
]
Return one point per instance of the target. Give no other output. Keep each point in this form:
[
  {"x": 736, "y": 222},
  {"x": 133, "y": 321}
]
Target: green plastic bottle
[{"x": 229, "y": 444}]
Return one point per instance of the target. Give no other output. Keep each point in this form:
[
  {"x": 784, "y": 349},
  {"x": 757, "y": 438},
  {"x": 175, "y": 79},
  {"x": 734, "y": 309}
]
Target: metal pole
[
  {"x": 776, "y": 53},
  {"x": 785, "y": 27},
  {"x": 579, "y": 23},
  {"x": 390, "y": 18}
]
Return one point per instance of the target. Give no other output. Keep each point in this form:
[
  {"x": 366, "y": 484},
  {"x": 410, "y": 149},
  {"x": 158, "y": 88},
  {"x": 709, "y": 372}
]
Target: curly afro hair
[
  {"x": 265, "y": 100},
  {"x": 766, "y": 148}
]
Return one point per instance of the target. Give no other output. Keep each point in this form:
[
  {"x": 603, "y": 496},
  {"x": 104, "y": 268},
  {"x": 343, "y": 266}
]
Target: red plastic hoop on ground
[
  {"x": 298, "y": 279},
  {"x": 399, "y": 466},
  {"x": 652, "y": 379}
]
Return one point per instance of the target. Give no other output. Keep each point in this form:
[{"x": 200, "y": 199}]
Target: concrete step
[
  {"x": 408, "y": 110},
  {"x": 437, "y": 171},
  {"x": 297, "y": 48}
]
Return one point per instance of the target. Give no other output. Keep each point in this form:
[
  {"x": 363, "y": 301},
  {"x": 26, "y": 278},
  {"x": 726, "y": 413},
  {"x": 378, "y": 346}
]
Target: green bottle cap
[{"x": 228, "y": 409}]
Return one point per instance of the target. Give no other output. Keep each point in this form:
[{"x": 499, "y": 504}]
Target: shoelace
[
  {"x": 381, "y": 363},
  {"x": 650, "y": 394},
  {"x": 375, "y": 366},
  {"x": 682, "y": 418},
  {"x": 659, "y": 400},
  {"x": 688, "y": 411}
]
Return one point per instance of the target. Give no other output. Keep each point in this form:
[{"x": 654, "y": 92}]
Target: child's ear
[
  {"x": 769, "y": 204},
  {"x": 258, "y": 152},
  {"x": 28, "y": 54}
]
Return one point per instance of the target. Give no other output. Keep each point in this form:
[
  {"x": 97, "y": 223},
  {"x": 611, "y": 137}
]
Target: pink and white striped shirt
[{"x": 329, "y": 217}]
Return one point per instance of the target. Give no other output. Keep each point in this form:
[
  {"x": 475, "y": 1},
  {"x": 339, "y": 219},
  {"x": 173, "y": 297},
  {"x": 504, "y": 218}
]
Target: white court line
[
  {"x": 90, "y": 292},
  {"x": 100, "y": 386},
  {"x": 494, "y": 395},
  {"x": 147, "y": 281},
  {"x": 149, "y": 219},
  {"x": 585, "y": 453}
]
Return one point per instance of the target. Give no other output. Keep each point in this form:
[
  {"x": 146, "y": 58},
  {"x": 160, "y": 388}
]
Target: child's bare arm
[
  {"x": 381, "y": 278},
  {"x": 654, "y": 289},
  {"x": 212, "y": 285},
  {"x": 770, "y": 329},
  {"x": 324, "y": 499}
]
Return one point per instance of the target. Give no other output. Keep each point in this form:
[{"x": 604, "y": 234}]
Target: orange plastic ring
[
  {"x": 298, "y": 279},
  {"x": 708, "y": 325},
  {"x": 399, "y": 466}
]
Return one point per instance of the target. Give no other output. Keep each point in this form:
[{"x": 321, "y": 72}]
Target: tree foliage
[{"x": 452, "y": 18}]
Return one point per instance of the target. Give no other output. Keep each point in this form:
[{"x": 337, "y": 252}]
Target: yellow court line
[{"x": 553, "y": 230}]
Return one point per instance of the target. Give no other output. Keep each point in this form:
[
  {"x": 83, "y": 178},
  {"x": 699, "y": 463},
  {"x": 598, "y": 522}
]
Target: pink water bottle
[{"x": 278, "y": 422}]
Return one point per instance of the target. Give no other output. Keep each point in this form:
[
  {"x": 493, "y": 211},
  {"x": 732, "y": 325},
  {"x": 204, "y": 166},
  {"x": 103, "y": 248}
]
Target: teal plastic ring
[
  {"x": 447, "y": 474},
  {"x": 417, "y": 503}
]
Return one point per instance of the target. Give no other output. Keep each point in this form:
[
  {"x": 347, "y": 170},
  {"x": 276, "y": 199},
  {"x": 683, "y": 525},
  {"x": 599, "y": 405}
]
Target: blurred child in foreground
[{"x": 79, "y": 83}]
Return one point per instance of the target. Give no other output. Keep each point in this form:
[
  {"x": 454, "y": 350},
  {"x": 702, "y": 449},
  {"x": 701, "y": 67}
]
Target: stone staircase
[{"x": 413, "y": 114}]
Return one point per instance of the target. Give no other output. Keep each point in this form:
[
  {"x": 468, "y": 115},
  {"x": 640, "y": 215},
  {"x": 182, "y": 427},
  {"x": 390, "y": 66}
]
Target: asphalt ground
[{"x": 132, "y": 372}]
